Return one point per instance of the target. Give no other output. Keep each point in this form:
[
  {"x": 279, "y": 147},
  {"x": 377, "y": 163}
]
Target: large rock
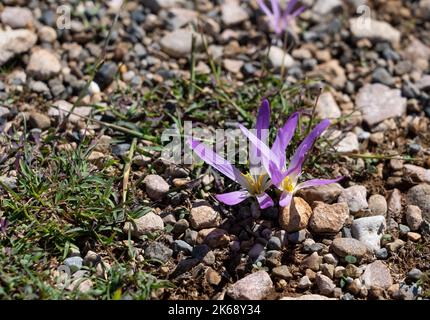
[
  {"x": 43, "y": 64},
  {"x": 178, "y": 44},
  {"x": 378, "y": 102},
  {"x": 348, "y": 247},
  {"x": 203, "y": 216},
  {"x": 296, "y": 216},
  {"x": 327, "y": 193},
  {"x": 355, "y": 197},
  {"x": 17, "y": 17},
  {"x": 377, "y": 274},
  {"x": 369, "y": 230},
  {"x": 419, "y": 196},
  {"x": 377, "y": 30},
  {"x": 144, "y": 225},
  {"x": 15, "y": 42},
  {"x": 328, "y": 218},
  {"x": 255, "y": 286}
]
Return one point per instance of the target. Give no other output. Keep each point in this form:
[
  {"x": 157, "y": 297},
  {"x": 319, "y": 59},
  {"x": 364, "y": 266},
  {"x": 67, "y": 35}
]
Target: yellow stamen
[
  {"x": 256, "y": 187},
  {"x": 287, "y": 184}
]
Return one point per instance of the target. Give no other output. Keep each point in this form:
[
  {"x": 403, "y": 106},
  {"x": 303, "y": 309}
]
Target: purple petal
[
  {"x": 266, "y": 154},
  {"x": 215, "y": 161},
  {"x": 283, "y": 139},
  {"x": 264, "y": 8},
  {"x": 264, "y": 201},
  {"x": 308, "y": 142},
  {"x": 298, "y": 12},
  {"x": 275, "y": 174},
  {"x": 285, "y": 199},
  {"x": 276, "y": 8},
  {"x": 317, "y": 182},
  {"x": 290, "y": 7},
  {"x": 233, "y": 198},
  {"x": 262, "y": 132}
]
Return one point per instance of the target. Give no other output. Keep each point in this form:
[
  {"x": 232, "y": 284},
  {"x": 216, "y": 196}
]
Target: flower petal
[
  {"x": 276, "y": 8},
  {"x": 215, "y": 161},
  {"x": 233, "y": 198},
  {"x": 264, "y": 8},
  {"x": 317, "y": 182},
  {"x": 290, "y": 6},
  {"x": 308, "y": 142},
  {"x": 285, "y": 199},
  {"x": 283, "y": 139},
  {"x": 263, "y": 121},
  {"x": 264, "y": 201}
]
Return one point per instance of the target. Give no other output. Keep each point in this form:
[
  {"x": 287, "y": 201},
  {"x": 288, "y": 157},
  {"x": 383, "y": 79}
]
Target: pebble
[
  {"x": 413, "y": 236},
  {"x": 379, "y": 30},
  {"x": 414, "y": 275},
  {"x": 204, "y": 253},
  {"x": 178, "y": 44},
  {"x": 181, "y": 245},
  {"x": 327, "y": 106},
  {"x": 17, "y": 17},
  {"x": 378, "y": 205},
  {"x": 47, "y": 34},
  {"x": 296, "y": 216},
  {"x": 377, "y": 274},
  {"x": 144, "y": 225},
  {"x": 355, "y": 197},
  {"x": 282, "y": 272},
  {"x": 369, "y": 230},
  {"x": 274, "y": 243},
  {"x": 232, "y": 13},
  {"x": 378, "y": 102},
  {"x": 214, "y": 237},
  {"x": 74, "y": 263},
  {"x": 213, "y": 277},
  {"x": 395, "y": 245},
  {"x": 180, "y": 226},
  {"x": 156, "y": 186},
  {"x": 331, "y": 259},
  {"x": 91, "y": 259},
  {"x": 306, "y": 297},
  {"x": 43, "y": 64},
  {"x": 312, "y": 262},
  {"x": 419, "y": 196},
  {"x": 327, "y": 270},
  {"x": 328, "y": 218},
  {"x": 327, "y": 193},
  {"x": 203, "y": 216},
  {"x": 190, "y": 236},
  {"x": 255, "y": 286},
  {"x": 325, "y": 284},
  {"x": 394, "y": 203},
  {"x": 349, "y": 247},
  {"x": 381, "y": 254},
  {"x": 416, "y": 174},
  {"x": 39, "y": 120},
  {"x": 158, "y": 251},
  {"x": 381, "y": 75},
  {"x": 277, "y": 56},
  {"x": 297, "y": 237},
  {"x": 339, "y": 272},
  {"x": 304, "y": 283},
  {"x": 403, "y": 230},
  {"x": 15, "y": 42}
]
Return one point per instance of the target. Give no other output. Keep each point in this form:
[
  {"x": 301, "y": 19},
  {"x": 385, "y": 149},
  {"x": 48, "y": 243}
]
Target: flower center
[
  {"x": 255, "y": 186},
  {"x": 288, "y": 184}
]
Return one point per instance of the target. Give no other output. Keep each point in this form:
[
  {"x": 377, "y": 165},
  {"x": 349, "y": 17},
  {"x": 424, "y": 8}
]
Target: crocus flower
[
  {"x": 256, "y": 182},
  {"x": 279, "y": 19},
  {"x": 286, "y": 179}
]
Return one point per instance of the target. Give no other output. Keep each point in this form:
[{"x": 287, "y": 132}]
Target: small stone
[
  {"x": 15, "y": 42},
  {"x": 324, "y": 7},
  {"x": 349, "y": 143},
  {"x": 355, "y": 197},
  {"x": 378, "y": 30},
  {"x": 339, "y": 272},
  {"x": 413, "y": 236},
  {"x": 47, "y": 34},
  {"x": 43, "y": 64},
  {"x": 256, "y": 250},
  {"x": 204, "y": 253},
  {"x": 381, "y": 254},
  {"x": 213, "y": 277},
  {"x": 203, "y": 216},
  {"x": 214, "y": 237},
  {"x": 190, "y": 236},
  {"x": 158, "y": 251},
  {"x": 414, "y": 275},
  {"x": 394, "y": 203},
  {"x": 156, "y": 186},
  {"x": 333, "y": 73},
  {"x": 403, "y": 230},
  {"x": 308, "y": 297},
  {"x": 39, "y": 120},
  {"x": 353, "y": 271},
  {"x": 255, "y": 286},
  {"x": 381, "y": 75},
  {"x": 232, "y": 13},
  {"x": 327, "y": 193},
  {"x": 74, "y": 263},
  {"x": 296, "y": 216},
  {"x": 354, "y": 287},
  {"x": 180, "y": 226},
  {"x": 233, "y": 66},
  {"x": 181, "y": 245},
  {"x": 349, "y": 247},
  {"x": 17, "y": 17},
  {"x": 277, "y": 56},
  {"x": 274, "y": 243},
  {"x": 297, "y": 237},
  {"x": 282, "y": 272},
  {"x": 327, "y": 270},
  {"x": 378, "y": 102},
  {"x": 304, "y": 283},
  {"x": 91, "y": 259},
  {"x": 327, "y": 106},
  {"x": 416, "y": 174},
  {"x": 419, "y": 196},
  {"x": 377, "y": 274},
  {"x": 106, "y": 74},
  {"x": 325, "y": 285},
  {"x": 378, "y": 205},
  {"x": 144, "y": 225},
  {"x": 331, "y": 259},
  {"x": 369, "y": 230},
  {"x": 178, "y": 44},
  {"x": 328, "y": 218},
  {"x": 395, "y": 245},
  {"x": 312, "y": 262}
]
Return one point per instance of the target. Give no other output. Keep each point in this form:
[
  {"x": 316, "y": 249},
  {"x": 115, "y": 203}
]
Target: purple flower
[
  {"x": 255, "y": 183},
  {"x": 286, "y": 178},
  {"x": 279, "y": 18},
  {"x": 3, "y": 225}
]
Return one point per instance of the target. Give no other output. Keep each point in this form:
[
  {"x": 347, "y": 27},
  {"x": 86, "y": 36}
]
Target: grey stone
[
  {"x": 15, "y": 42},
  {"x": 349, "y": 247},
  {"x": 255, "y": 286},
  {"x": 178, "y": 44},
  {"x": 144, "y": 225},
  {"x": 378, "y": 205},
  {"x": 415, "y": 274},
  {"x": 282, "y": 272},
  {"x": 414, "y": 217},
  {"x": 381, "y": 254},
  {"x": 43, "y": 64},
  {"x": 377, "y": 274},
  {"x": 381, "y": 75},
  {"x": 419, "y": 196},
  {"x": 181, "y": 245},
  {"x": 327, "y": 106},
  {"x": 377, "y": 31},
  {"x": 304, "y": 283},
  {"x": 355, "y": 197},
  {"x": 17, "y": 17},
  {"x": 325, "y": 284},
  {"x": 203, "y": 216},
  {"x": 369, "y": 230},
  {"x": 156, "y": 186},
  {"x": 74, "y": 263},
  {"x": 158, "y": 251}
]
